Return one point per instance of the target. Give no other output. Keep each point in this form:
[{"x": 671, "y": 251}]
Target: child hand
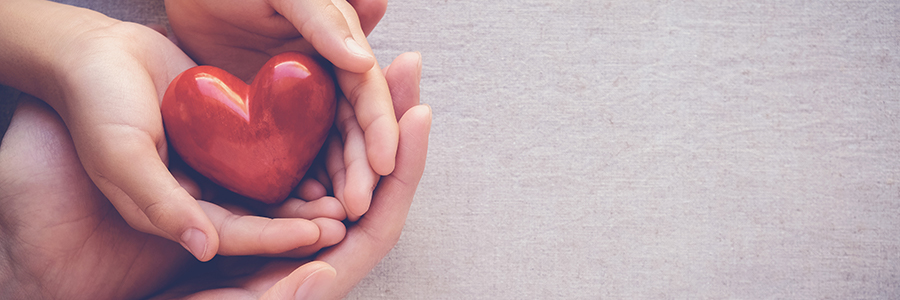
[
  {"x": 56, "y": 227},
  {"x": 335, "y": 271},
  {"x": 105, "y": 78},
  {"x": 240, "y": 36}
]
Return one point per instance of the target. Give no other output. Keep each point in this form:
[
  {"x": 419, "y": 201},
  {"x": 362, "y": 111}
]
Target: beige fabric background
[{"x": 647, "y": 149}]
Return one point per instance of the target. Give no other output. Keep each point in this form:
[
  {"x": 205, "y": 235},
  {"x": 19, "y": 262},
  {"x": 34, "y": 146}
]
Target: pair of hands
[
  {"x": 106, "y": 78},
  {"x": 63, "y": 239}
]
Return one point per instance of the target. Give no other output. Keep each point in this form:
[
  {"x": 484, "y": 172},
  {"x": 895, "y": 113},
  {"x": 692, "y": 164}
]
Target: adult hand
[
  {"x": 335, "y": 271},
  {"x": 105, "y": 78},
  {"x": 61, "y": 238},
  {"x": 240, "y": 36}
]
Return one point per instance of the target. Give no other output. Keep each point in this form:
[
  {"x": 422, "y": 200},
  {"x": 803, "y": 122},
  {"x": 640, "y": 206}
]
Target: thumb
[
  {"x": 310, "y": 281},
  {"x": 126, "y": 166},
  {"x": 330, "y": 27}
]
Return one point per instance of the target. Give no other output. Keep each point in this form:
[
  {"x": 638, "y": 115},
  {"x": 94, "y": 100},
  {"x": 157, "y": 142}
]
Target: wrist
[{"x": 38, "y": 37}]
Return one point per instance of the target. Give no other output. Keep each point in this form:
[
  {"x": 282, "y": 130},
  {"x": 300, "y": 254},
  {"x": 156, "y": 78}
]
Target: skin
[
  {"x": 105, "y": 79},
  {"x": 239, "y": 36},
  {"x": 62, "y": 239},
  {"x": 99, "y": 148}
]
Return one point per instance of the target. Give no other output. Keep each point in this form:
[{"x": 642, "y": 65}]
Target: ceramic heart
[{"x": 256, "y": 140}]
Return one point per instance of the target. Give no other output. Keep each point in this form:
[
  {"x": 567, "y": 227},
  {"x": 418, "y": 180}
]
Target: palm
[{"x": 63, "y": 236}]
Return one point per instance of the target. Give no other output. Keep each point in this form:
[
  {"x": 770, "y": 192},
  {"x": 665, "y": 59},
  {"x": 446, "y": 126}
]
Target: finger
[
  {"x": 325, "y": 213},
  {"x": 328, "y": 28},
  {"x": 324, "y": 207},
  {"x": 125, "y": 165},
  {"x": 310, "y": 189},
  {"x": 255, "y": 235},
  {"x": 371, "y": 99},
  {"x": 309, "y": 281},
  {"x": 360, "y": 179},
  {"x": 394, "y": 193},
  {"x": 370, "y": 13},
  {"x": 333, "y": 231},
  {"x": 334, "y": 164},
  {"x": 377, "y": 232},
  {"x": 403, "y": 86},
  {"x": 403, "y": 81},
  {"x": 112, "y": 111},
  {"x": 404, "y": 90}
]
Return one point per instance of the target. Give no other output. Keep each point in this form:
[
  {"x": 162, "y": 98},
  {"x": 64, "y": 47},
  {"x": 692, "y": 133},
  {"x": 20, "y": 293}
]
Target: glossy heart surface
[{"x": 257, "y": 140}]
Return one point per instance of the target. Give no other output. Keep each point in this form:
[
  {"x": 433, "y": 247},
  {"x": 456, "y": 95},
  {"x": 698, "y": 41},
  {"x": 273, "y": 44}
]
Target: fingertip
[
  {"x": 312, "y": 280},
  {"x": 331, "y": 231},
  {"x": 317, "y": 284},
  {"x": 358, "y": 192},
  {"x": 369, "y": 12},
  {"x": 255, "y": 235},
  {"x": 424, "y": 111},
  {"x": 311, "y": 230},
  {"x": 416, "y": 124},
  {"x": 418, "y": 116},
  {"x": 382, "y": 138},
  {"x": 325, "y": 207},
  {"x": 310, "y": 189},
  {"x": 421, "y": 115},
  {"x": 382, "y": 162},
  {"x": 331, "y": 33},
  {"x": 197, "y": 243},
  {"x": 200, "y": 238},
  {"x": 202, "y": 232},
  {"x": 403, "y": 80},
  {"x": 351, "y": 56},
  {"x": 365, "y": 59},
  {"x": 358, "y": 202},
  {"x": 315, "y": 266}
]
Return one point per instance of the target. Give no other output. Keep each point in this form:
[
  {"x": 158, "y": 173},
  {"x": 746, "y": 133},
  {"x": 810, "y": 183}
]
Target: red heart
[{"x": 256, "y": 140}]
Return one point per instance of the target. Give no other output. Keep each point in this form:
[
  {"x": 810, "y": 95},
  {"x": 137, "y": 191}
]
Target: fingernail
[
  {"x": 316, "y": 284},
  {"x": 195, "y": 241},
  {"x": 356, "y": 48},
  {"x": 419, "y": 68},
  {"x": 420, "y": 61}
]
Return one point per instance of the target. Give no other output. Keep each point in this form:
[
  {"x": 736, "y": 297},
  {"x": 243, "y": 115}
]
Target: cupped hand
[
  {"x": 105, "y": 78},
  {"x": 62, "y": 239},
  {"x": 333, "y": 273},
  {"x": 240, "y": 36}
]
